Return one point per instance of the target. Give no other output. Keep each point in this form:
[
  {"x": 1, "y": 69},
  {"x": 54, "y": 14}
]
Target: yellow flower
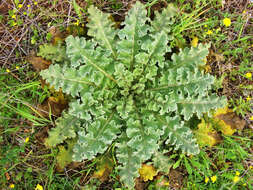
[
  {"x": 20, "y": 6},
  {"x": 13, "y": 16},
  {"x": 24, "y": 13},
  {"x": 248, "y": 98},
  {"x": 237, "y": 173},
  {"x": 205, "y": 25},
  {"x": 213, "y": 178},
  {"x": 17, "y": 67},
  {"x": 227, "y": 22},
  {"x": 35, "y": 3},
  {"x": 251, "y": 167},
  {"x": 26, "y": 139},
  {"x": 11, "y": 186},
  {"x": 243, "y": 12},
  {"x": 194, "y": 42},
  {"x": 236, "y": 179},
  {"x": 248, "y": 75},
  {"x": 77, "y": 23},
  {"x": 206, "y": 179},
  {"x": 251, "y": 118},
  {"x": 14, "y": 24},
  {"x": 8, "y": 70},
  {"x": 209, "y": 32},
  {"x": 28, "y": 6},
  {"x": 39, "y": 187}
]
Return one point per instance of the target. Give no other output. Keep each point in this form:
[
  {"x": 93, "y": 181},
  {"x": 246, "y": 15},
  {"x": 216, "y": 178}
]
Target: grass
[{"x": 25, "y": 161}]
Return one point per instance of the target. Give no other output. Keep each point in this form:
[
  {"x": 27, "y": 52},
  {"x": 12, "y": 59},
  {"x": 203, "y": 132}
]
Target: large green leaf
[
  {"x": 96, "y": 138},
  {"x": 101, "y": 28},
  {"x": 132, "y": 34},
  {"x": 70, "y": 80}
]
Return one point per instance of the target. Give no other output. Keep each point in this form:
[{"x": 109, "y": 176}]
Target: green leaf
[
  {"x": 143, "y": 135},
  {"x": 64, "y": 156},
  {"x": 70, "y": 80},
  {"x": 132, "y": 35},
  {"x": 187, "y": 166},
  {"x": 77, "y": 9},
  {"x": 190, "y": 57},
  {"x": 95, "y": 62},
  {"x": 162, "y": 162},
  {"x": 66, "y": 127},
  {"x": 163, "y": 21},
  {"x": 101, "y": 28},
  {"x": 96, "y": 137},
  {"x": 199, "y": 105},
  {"x": 179, "y": 135},
  {"x": 130, "y": 163}
]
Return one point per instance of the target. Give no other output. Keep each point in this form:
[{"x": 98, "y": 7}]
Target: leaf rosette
[{"x": 128, "y": 93}]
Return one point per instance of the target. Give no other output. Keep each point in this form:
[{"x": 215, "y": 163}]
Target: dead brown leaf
[
  {"x": 139, "y": 184},
  {"x": 57, "y": 35},
  {"x": 42, "y": 135},
  {"x": 51, "y": 105},
  {"x": 38, "y": 62},
  {"x": 233, "y": 120}
]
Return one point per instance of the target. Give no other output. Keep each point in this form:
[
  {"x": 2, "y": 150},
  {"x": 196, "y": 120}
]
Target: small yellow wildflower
[
  {"x": 8, "y": 70},
  {"x": 243, "y": 12},
  {"x": 13, "y": 16},
  {"x": 236, "y": 179},
  {"x": 28, "y": 6},
  {"x": 25, "y": 13},
  {"x": 11, "y": 186},
  {"x": 213, "y": 178},
  {"x": 248, "y": 75},
  {"x": 251, "y": 167},
  {"x": 77, "y": 23},
  {"x": 205, "y": 25},
  {"x": 227, "y": 22},
  {"x": 194, "y": 42},
  {"x": 209, "y": 32},
  {"x": 251, "y": 118},
  {"x": 14, "y": 24},
  {"x": 17, "y": 67},
  {"x": 167, "y": 183},
  {"x": 39, "y": 187},
  {"x": 237, "y": 173},
  {"x": 35, "y": 3},
  {"x": 20, "y": 6},
  {"x": 206, "y": 179},
  {"x": 82, "y": 25},
  {"x": 26, "y": 139},
  {"x": 248, "y": 98}
]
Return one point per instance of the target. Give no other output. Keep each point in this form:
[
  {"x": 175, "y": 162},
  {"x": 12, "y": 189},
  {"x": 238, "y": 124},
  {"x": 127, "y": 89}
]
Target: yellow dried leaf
[
  {"x": 103, "y": 169},
  {"x": 147, "y": 172},
  {"x": 227, "y": 121},
  {"x": 206, "y": 135}
]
